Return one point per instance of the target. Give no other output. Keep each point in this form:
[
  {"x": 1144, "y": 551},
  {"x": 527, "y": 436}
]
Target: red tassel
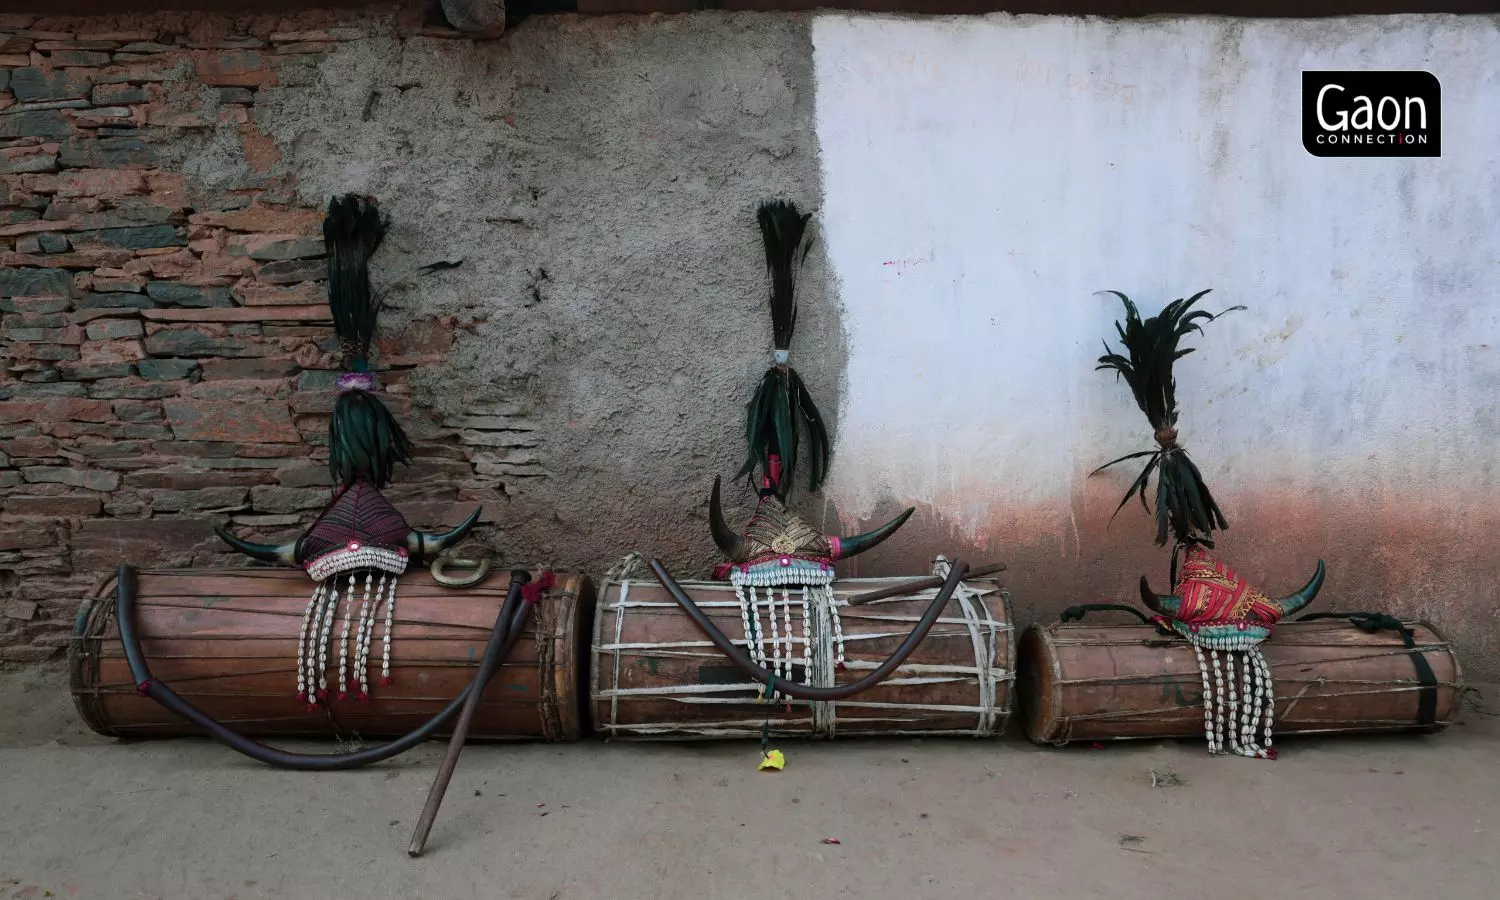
[
  {"x": 840, "y": 667},
  {"x": 1271, "y": 753},
  {"x": 532, "y": 592},
  {"x": 144, "y": 688},
  {"x": 343, "y": 696},
  {"x": 322, "y": 693},
  {"x": 364, "y": 696},
  {"x": 312, "y": 707},
  {"x": 387, "y": 680},
  {"x": 302, "y": 696}
]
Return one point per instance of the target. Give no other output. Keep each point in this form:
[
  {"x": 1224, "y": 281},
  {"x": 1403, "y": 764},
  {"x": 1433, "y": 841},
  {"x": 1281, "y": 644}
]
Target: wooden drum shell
[
  {"x": 656, "y": 676},
  {"x": 226, "y": 641},
  {"x": 1088, "y": 682}
]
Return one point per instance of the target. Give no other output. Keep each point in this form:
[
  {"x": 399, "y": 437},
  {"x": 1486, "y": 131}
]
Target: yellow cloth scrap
[{"x": 772, "y": 759}]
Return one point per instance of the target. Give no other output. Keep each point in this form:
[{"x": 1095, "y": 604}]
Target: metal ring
[{"x": 481, "y": 569}]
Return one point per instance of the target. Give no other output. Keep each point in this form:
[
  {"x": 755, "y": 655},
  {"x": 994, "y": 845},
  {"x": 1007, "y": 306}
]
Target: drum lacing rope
[
  {"x": 983, "y": 661},
  {"x": 625, "y": 569},
  {"x": 621, "y": 573},
  {"x": 823, "y": 669}
]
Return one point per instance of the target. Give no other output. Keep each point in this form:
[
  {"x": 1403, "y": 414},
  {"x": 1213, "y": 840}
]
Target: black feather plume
[
  {"x": 352, "y": 232},
  {"x": 784, "y": 231},
  {"x": 1184, "y": 507},
  {"x": 364, "y": 439},
  {"x": 782, "y": 407}
]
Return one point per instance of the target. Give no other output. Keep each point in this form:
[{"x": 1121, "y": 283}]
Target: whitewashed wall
[{"x": 985, "y": 177}]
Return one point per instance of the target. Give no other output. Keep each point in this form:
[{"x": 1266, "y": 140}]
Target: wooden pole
[
  {"x": 921, "y": 584},
  {"x": 461, "y": 731}
]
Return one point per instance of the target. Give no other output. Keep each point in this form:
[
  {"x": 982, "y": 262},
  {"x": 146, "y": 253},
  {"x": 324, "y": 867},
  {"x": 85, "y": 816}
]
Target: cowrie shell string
[{"x": 361, "y": 610}]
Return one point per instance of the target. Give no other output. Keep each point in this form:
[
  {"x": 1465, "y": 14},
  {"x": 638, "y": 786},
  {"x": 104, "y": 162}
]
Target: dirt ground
[{"x": 1399, "y": 817}]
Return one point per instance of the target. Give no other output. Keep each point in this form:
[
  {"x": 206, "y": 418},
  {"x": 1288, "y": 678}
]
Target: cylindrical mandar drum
[
  {"x": 656, "y": 676},
  {"x": 1099, "y": 682},
  {"x": 226, "y": 640}
]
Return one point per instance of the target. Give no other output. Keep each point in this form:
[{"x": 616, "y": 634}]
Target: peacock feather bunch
[
  {"x": 364, "y": 439},
  {"x": 1185, "y": 509},
  {"x": 782, "y": 409}
]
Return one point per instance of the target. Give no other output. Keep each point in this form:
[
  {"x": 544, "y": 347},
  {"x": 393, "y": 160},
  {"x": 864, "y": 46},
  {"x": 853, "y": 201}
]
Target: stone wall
[
  {"x": 167, "y": 347},
  {"x": 168, "y": 355}
]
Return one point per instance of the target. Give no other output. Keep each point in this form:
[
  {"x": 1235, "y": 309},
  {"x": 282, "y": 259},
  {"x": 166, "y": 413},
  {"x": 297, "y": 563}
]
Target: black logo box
[{"x": 1372, "y": 114}]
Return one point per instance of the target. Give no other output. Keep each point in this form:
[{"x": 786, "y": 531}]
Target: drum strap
[
  {"x": 1076, "y": 613},
  {"x": 1372, "y": 622}
]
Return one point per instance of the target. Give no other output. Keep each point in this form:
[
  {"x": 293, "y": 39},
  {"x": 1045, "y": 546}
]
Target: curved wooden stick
[{"x": 804, "y": 691}]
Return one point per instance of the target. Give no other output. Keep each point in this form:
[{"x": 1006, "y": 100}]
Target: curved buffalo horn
[
  {"x": 286, "y": 554},
  {"x": 423, "y": 545},
  {"x": 1167, "y": 605},
  {"x": 845, "y": 547},
  {"x": 729, "y": 542},
  {"x": 1293, "y": 602}
]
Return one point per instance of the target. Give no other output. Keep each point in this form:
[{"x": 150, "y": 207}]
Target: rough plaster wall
[
  {"x": 599, "y": 177},
  {"x": 985, "y": 176}
]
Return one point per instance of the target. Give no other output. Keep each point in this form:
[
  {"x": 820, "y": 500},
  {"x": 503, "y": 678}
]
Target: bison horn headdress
[
  {"x": 777, "y": 547},
  {"x": 779, "y": 552},
  {"x": 1211, "y": 605},
  {"x": 360, "y": 544},
  {"x": 779, "y": 562}
]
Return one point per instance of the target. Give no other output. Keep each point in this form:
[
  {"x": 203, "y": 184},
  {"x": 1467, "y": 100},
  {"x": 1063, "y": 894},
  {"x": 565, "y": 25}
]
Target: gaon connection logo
[{"x": 1372, "y": 114}]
